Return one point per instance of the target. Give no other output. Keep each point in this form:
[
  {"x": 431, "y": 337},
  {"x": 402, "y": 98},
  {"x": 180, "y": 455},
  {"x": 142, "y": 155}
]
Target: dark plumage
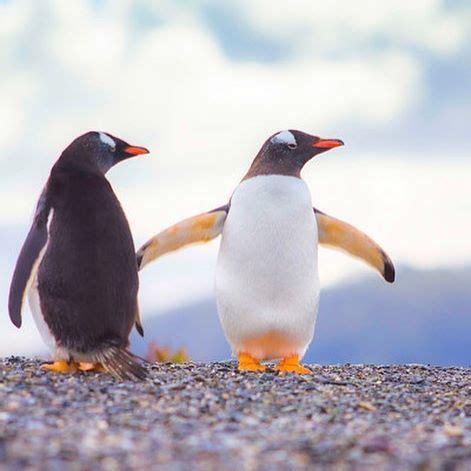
[
  {"x": 79, "y": 255},
  {"x": 285, "y": 158}
]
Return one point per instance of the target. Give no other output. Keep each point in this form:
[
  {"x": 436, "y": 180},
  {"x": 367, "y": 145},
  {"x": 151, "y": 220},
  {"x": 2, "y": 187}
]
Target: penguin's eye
[{"x": 292, "y": 146}]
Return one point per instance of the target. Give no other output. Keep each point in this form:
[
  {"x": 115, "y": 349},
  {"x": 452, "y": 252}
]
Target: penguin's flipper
[
  {"x": 340, "y": 235},
  {"x": 138, "y": 322},
  {"x": 29, "y": 259},
  {"x": 197, "y": 229}
]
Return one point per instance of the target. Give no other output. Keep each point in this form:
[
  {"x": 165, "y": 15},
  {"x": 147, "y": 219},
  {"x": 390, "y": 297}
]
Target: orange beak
[
  {"x": 327, "y": 143},
  {"x": 135, "y": 150}
]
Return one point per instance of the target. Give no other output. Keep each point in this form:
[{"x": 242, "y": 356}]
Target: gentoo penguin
[
  {"x": 78, "y": 263},
  {"x": 267, "y": 283}
]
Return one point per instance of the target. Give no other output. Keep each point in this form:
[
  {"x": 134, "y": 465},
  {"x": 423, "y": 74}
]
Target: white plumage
[
  {"x": 107, "y": 140},
  {"x": 267, "y": 282},
  {"x": 284, "y": 137},
  {"x": 35, "y": 306},
  {"x": 33, "y": 295}
]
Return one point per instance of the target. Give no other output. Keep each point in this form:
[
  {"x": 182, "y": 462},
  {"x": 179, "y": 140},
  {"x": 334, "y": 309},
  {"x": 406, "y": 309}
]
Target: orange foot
[
  {"x": 98, "y": 367},
  {"x": 291, "y": 365},
  {"x": 248, "y": 363},
  {"x": 60, "y": 366}
]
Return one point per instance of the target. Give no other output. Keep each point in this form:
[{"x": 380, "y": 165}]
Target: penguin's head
[
  {"x": 286, "y": 153},
  {"x": 298, "y": 147},
  {"x": 97, "y": 152}
]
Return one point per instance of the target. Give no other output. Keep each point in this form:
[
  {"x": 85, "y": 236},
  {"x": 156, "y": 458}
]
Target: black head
[
  {"x": 97, "y": 152},
  {"x": 286, "y": 153}
]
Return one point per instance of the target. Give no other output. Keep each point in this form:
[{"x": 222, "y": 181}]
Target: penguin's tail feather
[{"x": 122, "y": 364}]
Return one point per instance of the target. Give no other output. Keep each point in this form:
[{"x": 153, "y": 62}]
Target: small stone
[
  {"x": 366, "y": 406},
  {"x": 453, "y": 430},
  {"x": 210, "y": 416}
]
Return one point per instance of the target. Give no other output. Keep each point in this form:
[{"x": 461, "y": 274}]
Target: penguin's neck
[
  {"x": 70, "y": 162},
  {"x": 266, "y": 163},
  {"x": 71, "y": 170},
  {"x": 273, "y": 190}
]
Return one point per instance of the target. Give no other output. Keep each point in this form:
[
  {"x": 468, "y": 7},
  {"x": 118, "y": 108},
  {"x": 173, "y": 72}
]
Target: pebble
[{"x": 210, "y": 416}]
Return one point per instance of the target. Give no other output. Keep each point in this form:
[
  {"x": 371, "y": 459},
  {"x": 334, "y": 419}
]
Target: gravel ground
[{"x": 209, "y": 416}]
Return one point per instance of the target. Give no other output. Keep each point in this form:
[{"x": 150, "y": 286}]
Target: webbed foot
[
  {"x": 248, "y": 363},
  {"x": 60, "y": 366},
  {"x": 96, "y": 367},
  {"x": 291, "y": 365}
]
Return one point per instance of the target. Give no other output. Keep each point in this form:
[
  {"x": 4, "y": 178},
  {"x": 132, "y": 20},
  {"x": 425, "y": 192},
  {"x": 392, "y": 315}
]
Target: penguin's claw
[
  {"x": 248, "y": 363},
  {"x": 291, "y": 365},
  {"x": 60, "y": 366},
  {"x": 97, "y": 367}
]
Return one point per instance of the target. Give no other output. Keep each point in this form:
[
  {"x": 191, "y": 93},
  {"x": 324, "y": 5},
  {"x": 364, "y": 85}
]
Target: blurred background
[{"x": 203, "y": 83}]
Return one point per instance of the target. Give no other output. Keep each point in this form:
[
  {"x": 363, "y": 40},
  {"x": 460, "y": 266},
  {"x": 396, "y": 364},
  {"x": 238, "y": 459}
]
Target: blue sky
[{"x": 203, "y": 83}]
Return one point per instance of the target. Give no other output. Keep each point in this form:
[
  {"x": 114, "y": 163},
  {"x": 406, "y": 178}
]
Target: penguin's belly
[
  {"x": 267, "y": 282},
  {"x": 38, "y": 316}
]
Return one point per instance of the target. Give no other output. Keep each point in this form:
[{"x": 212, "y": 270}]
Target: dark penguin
[{"x": 78, "y": 263}]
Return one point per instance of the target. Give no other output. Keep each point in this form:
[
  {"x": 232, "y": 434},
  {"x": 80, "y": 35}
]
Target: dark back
[{"x": 88, "y": 278}]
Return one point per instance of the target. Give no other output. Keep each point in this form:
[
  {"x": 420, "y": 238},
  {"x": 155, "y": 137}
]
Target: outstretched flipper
[
  {"x": 340, "y": 235},
  {"x": 197, "y": 229},
  {"x": 29, "y": 259}
]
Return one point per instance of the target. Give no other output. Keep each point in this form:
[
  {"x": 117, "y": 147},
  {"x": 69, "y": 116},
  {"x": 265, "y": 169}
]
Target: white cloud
[
  {"x": 93, "y": 69},
  {"x": 172, "y": 89},
  {"x": 15, "y": 96},
  {"x": 343, "y": 25},
  {"x": 91, "y": 48}
]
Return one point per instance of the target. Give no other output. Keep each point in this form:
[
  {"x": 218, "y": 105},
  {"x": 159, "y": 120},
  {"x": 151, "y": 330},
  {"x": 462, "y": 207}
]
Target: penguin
[
  {"x": 78, "y": 266},
  {"x": 267, "y": 282}
]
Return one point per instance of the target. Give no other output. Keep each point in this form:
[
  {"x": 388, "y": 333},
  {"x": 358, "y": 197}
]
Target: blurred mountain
[{"x": 425, "y": 317}]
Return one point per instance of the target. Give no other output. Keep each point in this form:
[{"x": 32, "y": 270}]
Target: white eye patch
[
  {"x": 284, "y": 137},
  {"x": 107, "y": 140}
]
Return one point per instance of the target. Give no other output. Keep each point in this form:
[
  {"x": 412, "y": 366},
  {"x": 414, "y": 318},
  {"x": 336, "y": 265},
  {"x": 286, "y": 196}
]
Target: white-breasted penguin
[
  {"x": 78, "y": 263},
  {"x": 267, "y": 283}
]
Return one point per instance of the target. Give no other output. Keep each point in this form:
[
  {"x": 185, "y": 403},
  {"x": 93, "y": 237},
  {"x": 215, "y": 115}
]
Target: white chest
[
  {"x": 271, "y": 228},
  {"x": 266, "y": 276}
]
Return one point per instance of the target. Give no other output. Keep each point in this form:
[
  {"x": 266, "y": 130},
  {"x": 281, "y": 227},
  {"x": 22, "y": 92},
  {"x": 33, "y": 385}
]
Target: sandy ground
[{"x": 209, "y": 416}]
